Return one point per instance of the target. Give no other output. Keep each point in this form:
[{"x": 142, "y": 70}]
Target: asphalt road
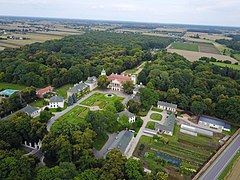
[{"x": 214, "y": 171}]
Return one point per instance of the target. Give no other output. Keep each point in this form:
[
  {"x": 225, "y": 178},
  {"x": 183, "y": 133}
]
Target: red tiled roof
[
  {"x": 120, "y": 78},
  {"x": 44, "y": 90}
]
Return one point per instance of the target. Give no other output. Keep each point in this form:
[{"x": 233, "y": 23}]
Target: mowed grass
[
  {"x": 38, "y": 103},
  {"x": 101, "y": 100},
  {"x": 4, "y": 85},
  {"x": 155, "y": 116},
  {"x": 185, "y": 46},
  {"x": 100, "y": 140},
  {"x": 62, "y": 91},
  {"x": 156, "y": 109},
  {"x": 150, "y": 125},
  {"x": 234, "y": 66}
]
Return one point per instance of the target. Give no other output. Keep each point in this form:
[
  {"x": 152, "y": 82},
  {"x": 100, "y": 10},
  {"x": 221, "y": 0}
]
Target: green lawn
[
  {"x": 157, "y": 109},
  {"x": 155, "y": 116},
  {"x": 229, "y": 166},
  {"x": 101, "y": 100},
  {"x": 185, "y": 46},
  {"x": 38, "y": 103},
  {"x": 100, "y": 140},
  {"x": 150, "y": 125},
  {"x": 4, "y": 85},
  {"x": 62, "y": 91},
  {"x": 234, "y": 66}
]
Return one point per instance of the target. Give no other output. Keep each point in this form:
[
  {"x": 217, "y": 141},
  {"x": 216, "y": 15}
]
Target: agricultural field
[
  {"x": 194, "y": 56},
  {"x": 183, "y": 152},
  {"x": 234, "y": 66},
  {"x": 195, "y": 47},
  {"x": 4, "y": 85},
  {"x": 62, "y": 91},
  {"x": 102, "y": 101}
]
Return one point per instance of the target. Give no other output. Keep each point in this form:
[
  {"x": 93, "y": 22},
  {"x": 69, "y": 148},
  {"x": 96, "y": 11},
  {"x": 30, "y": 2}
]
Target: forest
[
  {"x": 199, "y": 87},
  {"x": 74, "y": 58},
  {"x": 233, "y": 44}
]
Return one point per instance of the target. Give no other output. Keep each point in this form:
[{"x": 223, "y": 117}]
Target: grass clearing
[
  {"x": 101, "y": 100},
  {"x": 234, "y": 66},
  {"x": 38, "y": 103},
  {"x": 62, "y": 91},
  {"x": 185, "y": 46},
  {"x": 156, "y": 109},
  {"x": 155, "y": 116},
  {"x": 150, "y": 125},
  {"x": 4, "y": 85},
  {"x": 100, "y": 140}
]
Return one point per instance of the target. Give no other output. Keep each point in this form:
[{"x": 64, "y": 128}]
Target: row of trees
[{"x": 200, "y": 87}]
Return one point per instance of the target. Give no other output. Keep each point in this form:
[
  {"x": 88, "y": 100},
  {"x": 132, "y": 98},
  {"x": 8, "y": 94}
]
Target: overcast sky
[{"x": 206, "y": 12}]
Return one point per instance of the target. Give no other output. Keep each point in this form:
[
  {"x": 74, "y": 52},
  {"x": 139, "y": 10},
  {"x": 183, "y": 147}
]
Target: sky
[{"x": 202, "y": 12}]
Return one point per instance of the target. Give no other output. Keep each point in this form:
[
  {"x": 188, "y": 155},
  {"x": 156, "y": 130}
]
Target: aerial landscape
[{"x": 119, "y": 90}]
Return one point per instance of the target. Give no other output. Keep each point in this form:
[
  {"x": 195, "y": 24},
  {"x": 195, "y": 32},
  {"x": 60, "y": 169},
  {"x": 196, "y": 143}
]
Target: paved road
[
  {"x": 214, "y": 171},
  {"x": 59, "y": 114}
]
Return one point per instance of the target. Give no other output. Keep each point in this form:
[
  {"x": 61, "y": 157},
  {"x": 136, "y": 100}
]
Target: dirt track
[
  {"x": 194, "y": 56},
  {"x": 235, "y": 173}
]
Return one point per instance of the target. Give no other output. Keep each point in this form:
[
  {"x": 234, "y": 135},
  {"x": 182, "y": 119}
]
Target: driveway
[{"x": 102, "y": 152}]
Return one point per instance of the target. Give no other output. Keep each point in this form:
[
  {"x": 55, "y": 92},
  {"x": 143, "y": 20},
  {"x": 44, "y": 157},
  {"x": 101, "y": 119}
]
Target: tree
[
  {"x": 103, "y": 81},
  {"x": 45, "y": 116},
  {"x": 114, "y": 166},
  {"x": 148, "y": 97},
  {"x": 123, "y": 122},
  {"x": 119, "y": 106},
  {"x": 198, "y": 107},
  {"x": 134, "y": 169},
  {"x": 133, "y": 106},
  {"x": 128, "y": 87},
  {"x": 161, "y": 176}
]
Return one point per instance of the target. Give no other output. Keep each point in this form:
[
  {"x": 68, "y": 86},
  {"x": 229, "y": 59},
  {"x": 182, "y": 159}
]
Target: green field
[
  {"x": 192, "y": 151},
  {"x": 100, "y": 140},
  {"x": 185, "y": 46},
  {"x": 11, "y": 86},
  {"x": 74, "y": 116},
  {"x": 156, "y": 109},
  {"x": 155, "y": 116},
  {"x": 62, "y": 91},
  {"x": 234, "y": 66},
  {"x": 101, "y": 100},
  {"x": 38, "y": 103},
  {"x": 150, "y": 125}
]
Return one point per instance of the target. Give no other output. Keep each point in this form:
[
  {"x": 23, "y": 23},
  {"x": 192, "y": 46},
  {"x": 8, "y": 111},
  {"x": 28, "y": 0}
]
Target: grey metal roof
[
  {"x": 168, "y": 124},
  {"x": 214, "y": 121},
  {"x": 56, "y": 99},
  {"x": 29, "y": 109},
  {"x": 78, "y": 88},
  {"x": 122, "y": 141},
  {"x": 127, "y": 113},
  {"x": 91, "y": 80},
  {"x": 161, "y": 103}
]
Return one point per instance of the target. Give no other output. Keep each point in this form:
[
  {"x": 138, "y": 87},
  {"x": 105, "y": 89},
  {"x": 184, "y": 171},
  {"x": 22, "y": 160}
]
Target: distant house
[
  {"x": 41, "y": 92},
  {"x": 31, "y": 111},
  {"x": 103, "y": 73},
  {"x": 167, "y": 106},
  {"x": 78, "y": 89},
  {"x": 56, "y": 101},
  {"x": 92, "y": 82},
  {"x": 8, "y": 92},
  {"x": 214, "y": 123},
  {"x": 137, "y": 88},
  {"x": 122, "y": 142},
  {"x": 131, "y": 116},
  {"x": 117, "y": 81},
  {"x": 167, "y": 127}
]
